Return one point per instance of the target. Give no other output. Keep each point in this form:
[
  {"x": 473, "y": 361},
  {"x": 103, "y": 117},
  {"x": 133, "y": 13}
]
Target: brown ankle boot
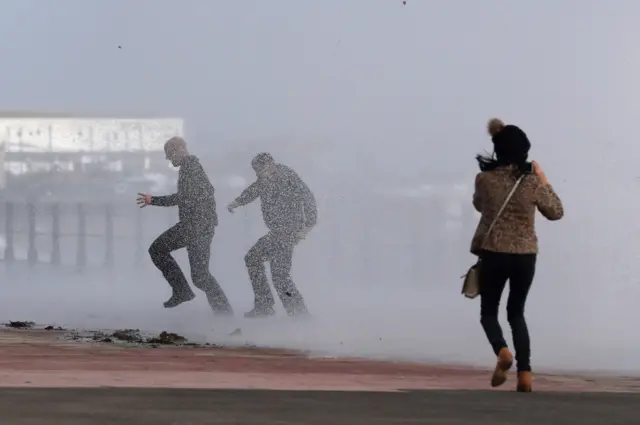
[
  {"x": 524, "y": 382},
  {"x": 505, "y": 361}
]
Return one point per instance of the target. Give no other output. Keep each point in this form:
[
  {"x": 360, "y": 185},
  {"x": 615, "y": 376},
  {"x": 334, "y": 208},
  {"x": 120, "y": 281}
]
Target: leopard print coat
[{"x": 514, "y": 232}]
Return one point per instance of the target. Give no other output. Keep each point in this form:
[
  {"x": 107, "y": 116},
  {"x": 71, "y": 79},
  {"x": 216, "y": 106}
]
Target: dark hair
[
  {"x": 261, "y": 160},
  {"x": 491, "y": 162},
  {"x": 510, "y": 147},
  {"x": 487, "y": 162}
]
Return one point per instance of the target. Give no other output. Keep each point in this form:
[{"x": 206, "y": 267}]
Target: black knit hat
[{"x": 511, "y": 144}]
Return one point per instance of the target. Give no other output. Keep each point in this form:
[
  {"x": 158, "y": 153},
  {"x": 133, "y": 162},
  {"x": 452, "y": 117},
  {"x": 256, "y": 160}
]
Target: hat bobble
[{"x": 494, "y": 126}]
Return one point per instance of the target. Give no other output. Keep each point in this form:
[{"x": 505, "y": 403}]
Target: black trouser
[
  {"x": 197, "y": 240},
  {"x": 277, "y": 248},
  {"x": 495, "y": 270}
]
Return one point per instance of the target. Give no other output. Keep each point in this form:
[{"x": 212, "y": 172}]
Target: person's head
[
  {"x": 175, "y": 149},
  {"x": 510, "y": 147},
  {"x": 263, "y": 164}
]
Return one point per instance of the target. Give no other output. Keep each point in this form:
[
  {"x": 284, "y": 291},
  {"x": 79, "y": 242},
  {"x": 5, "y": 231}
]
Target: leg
[
  {"x": 160, "y": 251},
  {"x": 199, "y": 252},
  {"x": 494, "y": 272},
  {"x": 255, "y": 259},
  {"x": 493, "y": 278},
  {"x": 519, "y": 284},
  {"x": 281, "y": 275}
]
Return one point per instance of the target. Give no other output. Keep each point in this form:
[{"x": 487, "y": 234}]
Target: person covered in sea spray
[
  {"x": 509, "y": 251},
  {"x": 194, "y": 230},
  {"x": 289, "y": 211}
]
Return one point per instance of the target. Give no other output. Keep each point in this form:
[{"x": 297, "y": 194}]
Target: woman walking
[{"x": 509, "y": 250}]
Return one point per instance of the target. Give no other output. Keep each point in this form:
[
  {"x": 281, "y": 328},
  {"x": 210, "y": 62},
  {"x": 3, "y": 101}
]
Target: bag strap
[{"x": 506, "y": 201}]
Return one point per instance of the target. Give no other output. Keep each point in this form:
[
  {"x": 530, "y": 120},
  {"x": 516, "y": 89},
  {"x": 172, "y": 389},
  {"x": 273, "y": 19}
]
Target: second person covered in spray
[{"x": 289, "y": 212}]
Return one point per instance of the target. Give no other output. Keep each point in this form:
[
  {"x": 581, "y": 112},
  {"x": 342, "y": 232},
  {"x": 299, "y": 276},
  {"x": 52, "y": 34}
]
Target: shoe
[
  {"x": 179, "y": 298},
  {"x": 524, "y": 382},
  {"x": 258, "y": 312},
  {"x": 505, "y": 361}
]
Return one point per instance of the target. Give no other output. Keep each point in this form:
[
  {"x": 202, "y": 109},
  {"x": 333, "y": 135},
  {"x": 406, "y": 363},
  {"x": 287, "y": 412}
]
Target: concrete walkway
[{"x": 103, "y": 406}]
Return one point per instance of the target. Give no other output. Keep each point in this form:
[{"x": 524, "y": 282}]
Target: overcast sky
[{"x": 411, "y": 84}]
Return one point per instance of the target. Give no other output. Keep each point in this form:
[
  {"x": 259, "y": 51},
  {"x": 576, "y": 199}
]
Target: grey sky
[{"x": 403, "y": 81}]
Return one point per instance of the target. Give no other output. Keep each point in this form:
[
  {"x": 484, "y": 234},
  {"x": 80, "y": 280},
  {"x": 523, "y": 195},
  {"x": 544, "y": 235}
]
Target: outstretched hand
[{"x": 143, "y": 200}]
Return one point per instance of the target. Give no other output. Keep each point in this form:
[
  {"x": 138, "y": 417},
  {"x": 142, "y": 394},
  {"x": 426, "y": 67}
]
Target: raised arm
[
  {"x": 165, "y": 201},
  {"x": 548, "y": 202},
  {"x": 248, "y": 195}
]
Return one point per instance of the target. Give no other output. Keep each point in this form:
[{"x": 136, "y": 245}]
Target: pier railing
[{"x": 369, "y": 239}]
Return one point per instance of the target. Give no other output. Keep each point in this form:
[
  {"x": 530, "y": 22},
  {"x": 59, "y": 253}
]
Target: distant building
[
  {"x": 31, "y": 140},
  {"x": 42, "y": 132}
]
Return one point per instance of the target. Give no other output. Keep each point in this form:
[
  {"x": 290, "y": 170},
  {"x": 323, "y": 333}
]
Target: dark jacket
[
  {"x": 514, "y": 232},
  {"x": 195, "y": 196},
  {"x": 286, "y": 201}
]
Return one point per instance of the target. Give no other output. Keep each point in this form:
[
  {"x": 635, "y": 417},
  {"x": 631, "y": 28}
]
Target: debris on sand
[
  {"x": 54, "y": 328},
  {"x": 18, "y": 324},
  {"x": 24, "y": 324},
  {"x": 167, "y": 338},
  {"x": 100, "y": 336},
  {"x": 128, "y": 335}
]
